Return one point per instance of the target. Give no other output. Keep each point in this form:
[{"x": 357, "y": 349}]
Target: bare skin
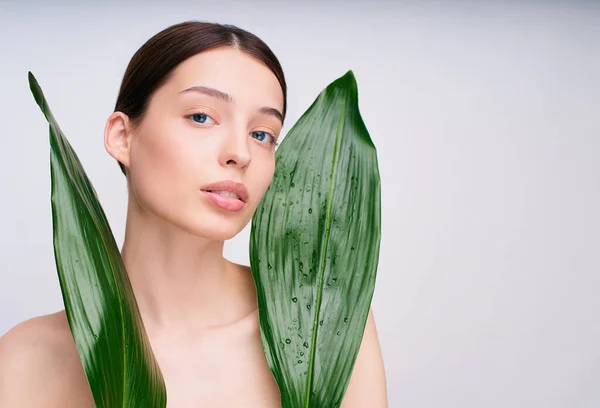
[
  {"x": 199, "y": 309},
  {"x": 39, "y": 354}
]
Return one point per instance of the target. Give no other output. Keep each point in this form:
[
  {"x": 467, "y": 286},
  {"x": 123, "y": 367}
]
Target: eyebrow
[{"x": 215, "y": 93}]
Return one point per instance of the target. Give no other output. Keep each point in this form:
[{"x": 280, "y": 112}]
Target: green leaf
[
  {"x": 99, "y": 301},
  {"x": 314, "y": 249}
]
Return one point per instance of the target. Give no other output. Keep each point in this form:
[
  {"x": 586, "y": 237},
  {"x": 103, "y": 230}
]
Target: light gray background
[{"x": 486, "y": 117}]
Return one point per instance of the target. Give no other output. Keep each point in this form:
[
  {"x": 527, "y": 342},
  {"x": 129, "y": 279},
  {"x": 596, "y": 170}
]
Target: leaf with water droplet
[{"x": 334, "y": 128}]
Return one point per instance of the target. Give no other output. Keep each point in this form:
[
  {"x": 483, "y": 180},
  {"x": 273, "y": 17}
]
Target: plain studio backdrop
[{"x": 486, "y": 118}]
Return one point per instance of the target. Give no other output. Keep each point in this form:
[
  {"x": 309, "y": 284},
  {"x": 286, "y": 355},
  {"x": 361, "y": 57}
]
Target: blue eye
[
  {"x": 200, "y": 117},
  {"x": 261, "y": 136}
]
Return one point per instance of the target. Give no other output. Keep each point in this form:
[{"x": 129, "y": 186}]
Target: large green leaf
[
  {"x": 99, "y": 301},
  {"x": 314, "y": 249}
]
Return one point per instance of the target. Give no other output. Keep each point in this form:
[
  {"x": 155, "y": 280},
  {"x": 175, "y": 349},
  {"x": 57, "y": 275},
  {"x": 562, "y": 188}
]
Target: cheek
[
  {"x": 157, "y": 160},
  {"x": 262, "y": 177}
]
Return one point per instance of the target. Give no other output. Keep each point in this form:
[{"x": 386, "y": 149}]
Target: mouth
[{"x": 227, "y": 194}]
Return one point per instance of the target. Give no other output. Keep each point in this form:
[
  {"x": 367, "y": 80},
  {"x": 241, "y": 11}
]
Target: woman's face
[{"x": 215, "y": 119}]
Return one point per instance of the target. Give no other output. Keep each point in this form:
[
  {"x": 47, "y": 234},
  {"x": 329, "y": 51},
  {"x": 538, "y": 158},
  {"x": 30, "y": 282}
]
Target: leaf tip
[
  {"x": 33, "y": 83},
  {"x": 350, "y": 75},
  {"x": 34, "y": 86},
  {"x": 348, "y": 81}
]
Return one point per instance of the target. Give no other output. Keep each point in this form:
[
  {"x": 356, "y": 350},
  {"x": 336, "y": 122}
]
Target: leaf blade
[
  {"x": 99, "y": 301},
  {"x": 305, "y": 219}
]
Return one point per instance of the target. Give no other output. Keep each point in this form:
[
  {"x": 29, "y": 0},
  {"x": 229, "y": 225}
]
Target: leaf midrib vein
[{"x": 335, "y": 160}]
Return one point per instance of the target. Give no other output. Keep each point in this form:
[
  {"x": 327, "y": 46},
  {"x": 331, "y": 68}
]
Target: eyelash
[{"x": 273, "y": 138}]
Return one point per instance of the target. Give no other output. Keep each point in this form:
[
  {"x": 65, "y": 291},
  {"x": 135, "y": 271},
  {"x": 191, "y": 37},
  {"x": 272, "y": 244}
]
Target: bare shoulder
[
  {"x": 40, "y": 354},
  {"x": 367, "y": 386}
]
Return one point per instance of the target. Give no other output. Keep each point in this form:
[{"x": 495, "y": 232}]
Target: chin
[{"x": 217, "y": 228}]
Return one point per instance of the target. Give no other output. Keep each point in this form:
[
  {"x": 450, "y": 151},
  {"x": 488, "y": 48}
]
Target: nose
[{"x": 235, "y": 149}]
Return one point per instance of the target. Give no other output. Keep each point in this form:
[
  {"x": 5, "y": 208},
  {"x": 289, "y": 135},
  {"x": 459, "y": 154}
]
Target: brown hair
[{"x": 152, "y": 64}]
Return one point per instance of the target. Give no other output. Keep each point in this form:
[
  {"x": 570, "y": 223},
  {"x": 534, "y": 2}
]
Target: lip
[{"x": 227, "y": 203}]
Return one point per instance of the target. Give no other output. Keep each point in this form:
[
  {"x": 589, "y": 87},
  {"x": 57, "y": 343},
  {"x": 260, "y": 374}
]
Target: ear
[{"x": 117, "y": 137}]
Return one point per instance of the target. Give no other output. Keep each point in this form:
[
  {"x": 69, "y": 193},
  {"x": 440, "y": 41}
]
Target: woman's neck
[{"x": 181, "y": 281}]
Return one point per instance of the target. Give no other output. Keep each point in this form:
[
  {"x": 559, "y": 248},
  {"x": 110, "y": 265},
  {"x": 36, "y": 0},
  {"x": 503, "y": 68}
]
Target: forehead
[{"x": 229, "y": 70}]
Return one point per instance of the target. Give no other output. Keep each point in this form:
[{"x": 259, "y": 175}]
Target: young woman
[{"x": 195, "y": 126}]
